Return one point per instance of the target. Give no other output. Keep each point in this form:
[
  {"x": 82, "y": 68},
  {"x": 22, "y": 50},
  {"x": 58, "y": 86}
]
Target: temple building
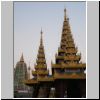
[
  {"x": 68, "y": 71},
  {"x": 21, "y": 74},
  {"x": 68, "y": 79}
]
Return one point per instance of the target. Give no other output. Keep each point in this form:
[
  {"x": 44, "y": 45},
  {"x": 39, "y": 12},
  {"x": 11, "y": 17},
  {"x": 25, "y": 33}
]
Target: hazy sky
[{"x": 29, "y": 17}]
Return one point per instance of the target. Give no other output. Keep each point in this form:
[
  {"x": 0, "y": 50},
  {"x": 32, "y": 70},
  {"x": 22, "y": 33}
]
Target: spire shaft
[
  {"x": 41, "y": 40},
  {"x": 65, "y": 14}
]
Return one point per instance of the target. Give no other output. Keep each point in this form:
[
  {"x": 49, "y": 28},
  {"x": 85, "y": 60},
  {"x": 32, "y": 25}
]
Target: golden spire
[
  {"x": 67, "y": 54},
  {"x": 64, "y": 32},
  {"x": 41, "y": 54},
  {"x": 41, "y": 66},
  {"x": 67, "y": 45},
  {"x": 22, "y": 58}
]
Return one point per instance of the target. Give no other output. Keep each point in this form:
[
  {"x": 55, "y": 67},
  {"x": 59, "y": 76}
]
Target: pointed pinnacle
[
  {"x": 22, "y": 58},
  {"x": 65, "y": 14},
  {"x": 41, "y": 37}
]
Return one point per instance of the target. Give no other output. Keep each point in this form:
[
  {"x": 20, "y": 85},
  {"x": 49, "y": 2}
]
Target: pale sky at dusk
[{"x": 29, "y": 17}]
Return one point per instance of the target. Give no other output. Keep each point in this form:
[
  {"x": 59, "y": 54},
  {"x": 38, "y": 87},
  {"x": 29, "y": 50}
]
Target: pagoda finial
[
  {"x": 22, "y": 58},
  {"x": 41, "y": 42},
  {"x": 64, "y": 13}
]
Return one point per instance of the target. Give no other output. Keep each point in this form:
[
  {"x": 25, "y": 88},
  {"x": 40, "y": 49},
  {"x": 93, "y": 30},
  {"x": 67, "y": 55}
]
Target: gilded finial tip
[{"x": 41, "y": 31}]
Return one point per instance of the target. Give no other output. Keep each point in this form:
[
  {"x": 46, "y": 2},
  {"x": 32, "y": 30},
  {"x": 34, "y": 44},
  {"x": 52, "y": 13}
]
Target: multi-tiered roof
[
  {"x": 68, "y": 65},
  {"x": 41, "y": 73}
]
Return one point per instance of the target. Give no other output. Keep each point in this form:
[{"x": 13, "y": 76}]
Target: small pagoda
[
  {"x": 41, "y": 81},
  {"x": 68, "y": 70},
  {"x": 21, "y": 74}
]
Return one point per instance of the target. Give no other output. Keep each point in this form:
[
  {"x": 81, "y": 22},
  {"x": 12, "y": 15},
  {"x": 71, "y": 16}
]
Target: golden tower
[
  {"x": 67, "y": 68},
  {"x": 41, "y": 66},
  {"x": 41, "y": 82}
]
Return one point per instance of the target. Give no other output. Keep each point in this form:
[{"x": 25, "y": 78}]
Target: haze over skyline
[{"x": 29, "y": 17}]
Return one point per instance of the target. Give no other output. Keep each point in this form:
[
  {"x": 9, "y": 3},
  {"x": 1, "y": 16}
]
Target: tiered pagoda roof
[
  {"x": 41, "y": 66},
  {"x": 68, "y": 63},
  {"x": 41, "y": 73}
]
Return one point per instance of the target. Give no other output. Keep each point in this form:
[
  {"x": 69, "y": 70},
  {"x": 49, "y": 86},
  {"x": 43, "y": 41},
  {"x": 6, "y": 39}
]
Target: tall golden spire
[
  {"x": 64, "y": 32},
  {"x": 67, "y": 52},
  {"x": 22, "y": 58},
  {"x": 41, "y": 66},
  {"x": 41, "y": 54},
  {"x": 66, "y": 38},
  {"x": 67, "y": 41}
]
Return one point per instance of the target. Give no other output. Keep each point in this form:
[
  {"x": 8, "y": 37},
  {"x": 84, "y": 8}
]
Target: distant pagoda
[
  {"x": 20, "y": 74},
  {"x": 41, "y": 80},
  {"x": 68, "y": 71}
]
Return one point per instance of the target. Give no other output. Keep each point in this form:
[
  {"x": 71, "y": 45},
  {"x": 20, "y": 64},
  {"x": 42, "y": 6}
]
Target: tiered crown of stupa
[
  {"x": 67, "y": 58},
  {"x": 67, "y": 45},
  {"x": 40, "y": 66}
]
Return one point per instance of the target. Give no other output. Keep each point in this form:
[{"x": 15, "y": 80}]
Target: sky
[{"x": 30, "y": 17}]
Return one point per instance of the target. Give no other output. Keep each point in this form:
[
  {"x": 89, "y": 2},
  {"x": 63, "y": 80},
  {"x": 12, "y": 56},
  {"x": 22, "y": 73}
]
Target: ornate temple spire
[
  {"x": 66, "y": 38},
  {"x": 41, "y": 54},
  {"x": 66, "y": 21},
  {"x": 40, "y": 66},
  {"x": 22, "y": 58},
  {"x": 64, "y": 31},
  {"x": 67, "y": 57}
]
